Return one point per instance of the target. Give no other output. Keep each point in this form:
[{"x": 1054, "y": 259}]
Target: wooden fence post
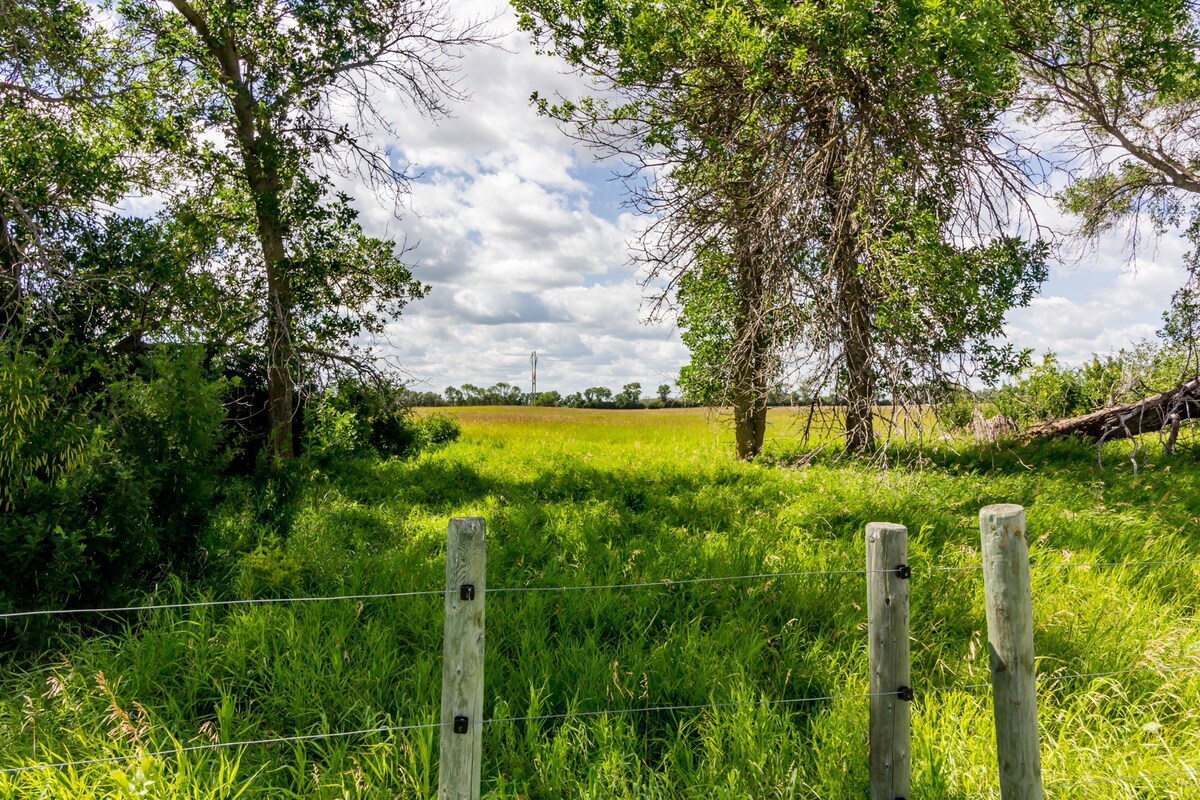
[
  {"x": 888, "y": 655},
  {"x": 459, "y": 774},
  {"x": 1009, "y": 597}
]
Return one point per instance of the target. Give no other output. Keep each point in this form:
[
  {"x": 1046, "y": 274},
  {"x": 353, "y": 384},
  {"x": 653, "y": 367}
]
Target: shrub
[
  {"x": 436, "y": 429},
  {"x": 110, "y": 474},
  {"x": 355, "y": 416}
]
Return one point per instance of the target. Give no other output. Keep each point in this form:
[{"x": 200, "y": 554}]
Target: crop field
[{"x": 579, "y": 498}]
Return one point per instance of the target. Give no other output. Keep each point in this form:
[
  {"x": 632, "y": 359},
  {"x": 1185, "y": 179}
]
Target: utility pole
[{"x": 533, "y": 380}]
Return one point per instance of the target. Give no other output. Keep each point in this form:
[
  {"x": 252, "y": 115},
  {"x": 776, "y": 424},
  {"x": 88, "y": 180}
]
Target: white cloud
[{"x": 1100, "y": 307}]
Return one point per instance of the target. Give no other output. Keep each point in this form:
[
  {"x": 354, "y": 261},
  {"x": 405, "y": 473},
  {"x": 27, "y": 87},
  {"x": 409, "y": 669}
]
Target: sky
[{"x": 524, "y": 240}]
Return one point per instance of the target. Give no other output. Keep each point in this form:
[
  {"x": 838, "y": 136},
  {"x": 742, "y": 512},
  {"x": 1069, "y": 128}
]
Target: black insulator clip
[
  {"x": 460, "y": 724},
  {"x": 903, "y": 571},
  {"x": 466, "y": 591},
  {"x": 905, "y": 693}
]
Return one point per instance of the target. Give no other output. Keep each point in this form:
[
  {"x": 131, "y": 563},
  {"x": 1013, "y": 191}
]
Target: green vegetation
[{"x": 577, "y": 497}]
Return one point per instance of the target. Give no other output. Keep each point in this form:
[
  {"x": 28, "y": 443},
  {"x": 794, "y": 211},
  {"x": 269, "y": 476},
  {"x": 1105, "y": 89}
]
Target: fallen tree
[{"x": 1158, "y": 412}]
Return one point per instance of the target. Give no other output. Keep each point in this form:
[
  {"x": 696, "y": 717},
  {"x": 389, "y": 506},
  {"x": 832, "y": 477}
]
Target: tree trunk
[
  {"x": 860, "y": 377},
  {"x": 750, "y": 361},
  {"x": 1150, "y": 415},
  {"x": 10, "y": 279},
  {"x": 851, "y": 292},
  {"x": 265, "y": 179},
  {"x": 281, "y": 351},
  {"x": 855, "y": 322}
]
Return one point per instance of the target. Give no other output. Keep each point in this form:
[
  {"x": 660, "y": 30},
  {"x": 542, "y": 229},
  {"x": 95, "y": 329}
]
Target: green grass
[{"x": 594, "y": 497}]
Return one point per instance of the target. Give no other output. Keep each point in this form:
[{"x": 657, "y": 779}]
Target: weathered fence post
[
  {"x": 888, "y": 654},
  {"x": 459, "y": 776},
  {"x": 1009, "y": 597}
]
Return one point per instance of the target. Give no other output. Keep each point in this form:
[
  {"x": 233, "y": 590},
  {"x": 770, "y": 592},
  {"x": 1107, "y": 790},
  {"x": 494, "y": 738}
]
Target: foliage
[
  {"x": 499, "y": 394},
  {"x": 277, "y": 97},
  {"x": 109, "y": 472},
  {"x": 437, "y": 429}
]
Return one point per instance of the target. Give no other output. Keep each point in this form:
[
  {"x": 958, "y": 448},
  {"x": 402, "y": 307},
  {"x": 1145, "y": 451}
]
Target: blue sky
[{"x": 523, "y": 238}]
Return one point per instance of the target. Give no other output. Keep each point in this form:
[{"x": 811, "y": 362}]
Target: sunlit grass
[{"x": 578, "y": 498}]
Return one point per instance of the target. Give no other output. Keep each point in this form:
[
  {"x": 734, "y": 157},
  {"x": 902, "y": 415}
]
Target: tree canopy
[{"x": 821, "y": 165}]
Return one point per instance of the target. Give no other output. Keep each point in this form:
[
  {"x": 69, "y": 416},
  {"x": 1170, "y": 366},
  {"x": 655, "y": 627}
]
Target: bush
[
  {"x": 355, "y": 418},
  {"x": 1050, "y": 390},
  {"x": 111, "y": 473},
  {"x": 957, "y": 408},
  {"x": 436, "y": 429}
]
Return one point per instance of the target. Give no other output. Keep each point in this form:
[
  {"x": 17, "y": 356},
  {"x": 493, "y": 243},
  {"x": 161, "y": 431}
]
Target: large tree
[
  {"x": 1118, "y": 81},
  {"x": 834, "y": 169},
  {"x": 281, "y": 96}
]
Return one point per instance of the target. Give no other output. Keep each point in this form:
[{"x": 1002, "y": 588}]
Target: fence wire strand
[
  {"x": 306, "y": 737},
  {"x": 1069, "y": 565},
  {"x": 214, "y": 603},
  {"x": 663, "y": 583},
  {"x": 426, "y": 726},
  {"x": 1052, "y": 678},
  {"x": 668, "y": 582},
  {"x": 695, "y": 707},
  {"x": 658, "y": 584}
]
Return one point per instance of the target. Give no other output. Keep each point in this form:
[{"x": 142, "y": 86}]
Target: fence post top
[
  {"x": 1001, "y": 511},
  {"x": 885, "y": 527}
]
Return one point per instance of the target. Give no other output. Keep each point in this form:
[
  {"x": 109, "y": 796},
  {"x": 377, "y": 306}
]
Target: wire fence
[
  {"x": 662, "y": 709},
  {"x": 662, "y": 583}
]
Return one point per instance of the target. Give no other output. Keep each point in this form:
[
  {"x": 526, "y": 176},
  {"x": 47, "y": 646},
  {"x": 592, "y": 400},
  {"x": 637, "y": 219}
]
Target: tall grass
[{"x": 577, "y": 498}]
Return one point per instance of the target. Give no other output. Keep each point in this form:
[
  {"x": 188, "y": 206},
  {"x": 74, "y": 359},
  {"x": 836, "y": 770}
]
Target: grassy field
[{"x": 578, "y": 498}]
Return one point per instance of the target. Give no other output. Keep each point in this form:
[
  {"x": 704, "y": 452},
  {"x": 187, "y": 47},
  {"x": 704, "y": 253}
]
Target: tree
[
  {"x": 269, "y": 85},
  {"x": 790, "y": 152},
  {"x": 664, "y": 392},
  {"x": 630, "y": 396},
  {"x": 1120, "y": 81},
  {"x": 598, "y": 397}
]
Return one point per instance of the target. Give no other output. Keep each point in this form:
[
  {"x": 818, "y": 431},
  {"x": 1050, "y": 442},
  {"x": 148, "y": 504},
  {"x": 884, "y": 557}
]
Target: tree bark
[
  {"x": 1150, "y": 415},
  {"x": 860, "y": 376},
  {"x": 750, "y": 361},
  {"x": 281, "y": 350},
  {"x": 10, "y": 278},
  {"x": 855, "y": 323},
  {"x": 853, "y": 302}
]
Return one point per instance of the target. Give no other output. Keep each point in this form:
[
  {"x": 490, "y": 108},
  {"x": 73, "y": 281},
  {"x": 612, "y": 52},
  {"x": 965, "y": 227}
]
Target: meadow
[{"x": 596, "y": 498}]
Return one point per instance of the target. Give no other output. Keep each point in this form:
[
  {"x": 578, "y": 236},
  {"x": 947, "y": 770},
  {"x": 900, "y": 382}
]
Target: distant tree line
[{"x": 630, "y": 396}]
